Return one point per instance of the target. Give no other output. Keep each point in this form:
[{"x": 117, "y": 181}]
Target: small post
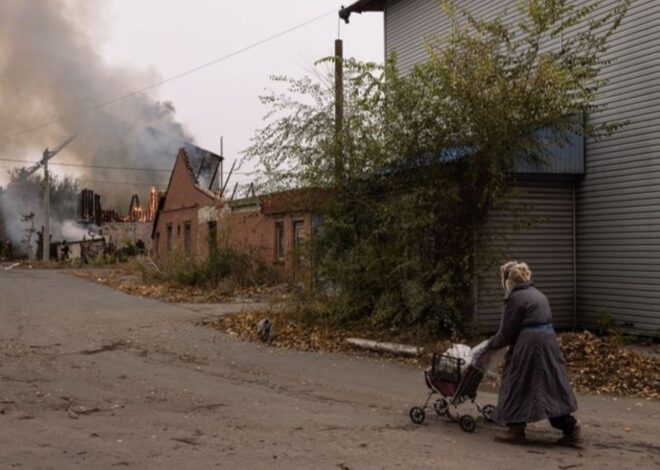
[
  {"x": 339, "y": 109},
  {"x": 46, "y": 233},
  {"x": 474, "y": 275},
  {"x": 222, "y": 160}
]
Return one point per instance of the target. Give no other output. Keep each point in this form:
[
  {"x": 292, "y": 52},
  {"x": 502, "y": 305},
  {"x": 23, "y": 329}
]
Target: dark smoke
[{"x": 49, "y": 66}]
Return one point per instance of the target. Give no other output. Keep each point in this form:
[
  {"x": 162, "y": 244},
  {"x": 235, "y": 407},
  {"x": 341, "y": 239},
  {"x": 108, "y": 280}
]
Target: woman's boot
[
  {"x": 572, "y": 437},
  {"x": 514, "y": 434}
]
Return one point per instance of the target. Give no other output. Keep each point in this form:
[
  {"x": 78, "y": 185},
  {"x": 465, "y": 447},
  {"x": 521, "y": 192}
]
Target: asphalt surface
[{"x": 92, "y": 378}]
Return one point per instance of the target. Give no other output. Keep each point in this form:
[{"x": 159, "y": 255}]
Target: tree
[
  {"x": 430, "y": 154},
  {"x": 24, "y": 195},
  {"x": 29, "y": 231}
]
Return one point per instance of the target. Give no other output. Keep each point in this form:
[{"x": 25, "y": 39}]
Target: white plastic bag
[
  {"x": 460, "y": 351},
  {"x": 487, "y": 362},
  {"x": 477, "y": 352}
]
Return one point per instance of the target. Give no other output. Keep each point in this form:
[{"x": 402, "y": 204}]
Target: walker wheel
[
  {"x": 417, "y": 415},
  {"x": 440, "y": 406},
  {"x": 467, "y": 423},
  {"x": 488, "y": 411}
]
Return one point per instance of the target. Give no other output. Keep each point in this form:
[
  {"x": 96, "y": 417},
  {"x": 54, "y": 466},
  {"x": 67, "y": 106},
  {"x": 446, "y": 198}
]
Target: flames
[
  {"x": 91, "y": 211},
  {"x": 137, "y": 213}
]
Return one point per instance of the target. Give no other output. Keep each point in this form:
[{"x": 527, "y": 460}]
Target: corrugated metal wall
[
  {"x": 618, "y": 217},
  {"x": 619, "y": 200},
  {"x": 565, "y": 159},
  {"x": 408, "y": 23},
  {"x": 547, "y": 247}
]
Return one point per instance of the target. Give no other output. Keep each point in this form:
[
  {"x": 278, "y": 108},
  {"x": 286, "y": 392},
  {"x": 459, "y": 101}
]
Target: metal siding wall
[
  {"x": 409, "y": 23},
  {"x": 619, "y": 200},
  {"x": 563, "y": 159},
  {"x": 547, "y": 247}
]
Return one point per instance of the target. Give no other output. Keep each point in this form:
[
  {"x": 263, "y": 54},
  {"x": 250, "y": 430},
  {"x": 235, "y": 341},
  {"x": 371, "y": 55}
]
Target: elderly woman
[{"x": 534, "y": 384}]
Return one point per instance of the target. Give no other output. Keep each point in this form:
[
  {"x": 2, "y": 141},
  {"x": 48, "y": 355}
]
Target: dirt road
[{"x": 94, "y": 379}]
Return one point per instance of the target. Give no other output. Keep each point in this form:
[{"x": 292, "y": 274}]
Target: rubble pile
[{"x": 603, "y": 365}]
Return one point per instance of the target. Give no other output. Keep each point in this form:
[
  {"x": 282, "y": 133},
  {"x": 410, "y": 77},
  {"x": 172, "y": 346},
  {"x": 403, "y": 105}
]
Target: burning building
[
  {"x": 138, "y": 213},
  {"x": 91, "y": 211},
  {"x": 90, "y": 207},
  {"x": 37, "y": 82}
]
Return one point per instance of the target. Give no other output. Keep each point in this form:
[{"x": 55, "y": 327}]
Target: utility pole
[
  {"x": 47, "y": 155},
  {"x": 46, "y": 234},
  {"x": 222, "y": 160},
  {"x": 339, "y": 110}
]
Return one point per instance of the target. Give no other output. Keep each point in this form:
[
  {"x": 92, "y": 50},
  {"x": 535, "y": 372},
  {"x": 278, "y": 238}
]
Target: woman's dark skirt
[{"x": 535, "y": 386}]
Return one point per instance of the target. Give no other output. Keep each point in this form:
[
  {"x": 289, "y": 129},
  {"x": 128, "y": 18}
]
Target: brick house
[
  {"x": 186, "y": 221},
  {"x": 275, "y": 227},
  {"x": 291, "y": 225},
  {"x": 191, "y": 220}
]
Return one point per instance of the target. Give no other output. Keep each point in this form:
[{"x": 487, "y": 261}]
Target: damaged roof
[
  {"x": 361, "y": 6},
  {"x": 185, "y": 155},
  {"x": 202, "y": 164}
]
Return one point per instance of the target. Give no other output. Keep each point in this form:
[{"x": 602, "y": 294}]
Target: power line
[
  {"x": 82, "y": 165},
  {"x": 125, "y": 183},
  {"x": 104, "y": 104},
  {"x": 100, "y": 167}
]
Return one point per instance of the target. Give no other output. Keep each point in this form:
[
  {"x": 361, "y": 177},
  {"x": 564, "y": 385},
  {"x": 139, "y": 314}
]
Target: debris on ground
[
  {"x": 604, "y": 365},
  {"x": 112, "y": 346},
  {"x": 12, "y": 266},
  {"x": 385, "y": 346},
  {"x": 595, "y": 365},
  {"x": 38, "y": 264},
  {"x": 264, "y": 329},
  {"x": 288, "y": 334},
  {"x": 285, "y": 334}
]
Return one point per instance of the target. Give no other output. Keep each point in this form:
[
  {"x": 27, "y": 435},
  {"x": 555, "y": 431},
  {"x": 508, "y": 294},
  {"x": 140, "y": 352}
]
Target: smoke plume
[{"x": 50, "y": 66}]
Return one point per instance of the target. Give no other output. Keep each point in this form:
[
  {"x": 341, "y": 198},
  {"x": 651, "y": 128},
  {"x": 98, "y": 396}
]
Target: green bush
[
  {"x": 243, "y": 268},
  {"x": 607, "y": 326},
  {"x": 408, "y": 184}
]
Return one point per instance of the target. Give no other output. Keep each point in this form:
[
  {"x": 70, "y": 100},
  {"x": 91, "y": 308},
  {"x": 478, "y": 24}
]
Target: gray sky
[
  {"x": 172, "y": 36},
  {"x": 61, "y": 56}
]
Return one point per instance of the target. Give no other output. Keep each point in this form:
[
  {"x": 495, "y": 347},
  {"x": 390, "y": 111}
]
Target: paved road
[{"x": 96, "y": 379}]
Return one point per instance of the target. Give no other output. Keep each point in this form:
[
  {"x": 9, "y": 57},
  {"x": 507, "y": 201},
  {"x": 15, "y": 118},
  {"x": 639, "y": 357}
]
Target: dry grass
[{"x": 128, "y": 278}]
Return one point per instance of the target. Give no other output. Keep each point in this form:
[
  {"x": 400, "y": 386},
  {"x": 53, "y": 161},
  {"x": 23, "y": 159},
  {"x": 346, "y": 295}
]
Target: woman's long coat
[{"x": 534, "y": 384}]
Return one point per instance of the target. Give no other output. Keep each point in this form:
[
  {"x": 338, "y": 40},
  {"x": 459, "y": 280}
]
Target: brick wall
[
  {"x": 120, "y": 232},
  {"x": 247, "y": 228},
  {"x": 248, "y": 225},
  {"x": 185, "y": 203}
]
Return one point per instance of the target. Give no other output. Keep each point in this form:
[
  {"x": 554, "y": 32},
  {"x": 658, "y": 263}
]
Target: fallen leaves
[
  {"x": 595, "y": 365},
  {"x": 127, "y": 281},
  {"x": 288, "y": 334},
  {"x": 603, "y": 365}
]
